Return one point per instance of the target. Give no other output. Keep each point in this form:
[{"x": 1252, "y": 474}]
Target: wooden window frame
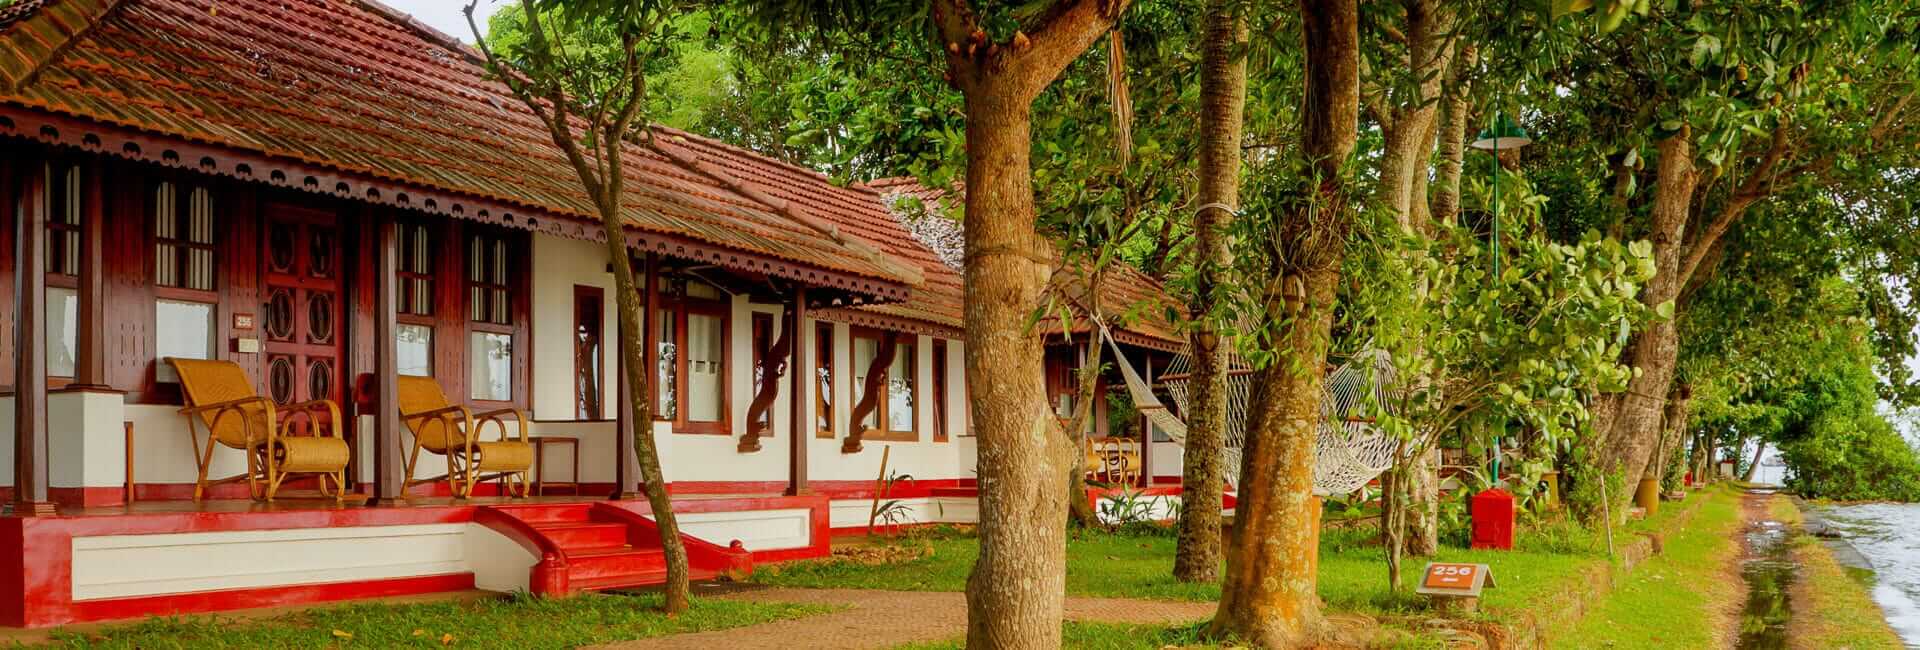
[
  {"x": 939, "y": 390},
  {"x": 823, "y": 397},
  {"x": 884, "y": 432},
  {"x": 183, "y": 204},
  {"x": 597, "y": 409},
  {"x": 516, "y": 280},
  {"x": 415, "y": 237},
  {"x": 761, "y": 328},
  {"x": 681, "y": 307},
  {"x": 63, "y": 200}
]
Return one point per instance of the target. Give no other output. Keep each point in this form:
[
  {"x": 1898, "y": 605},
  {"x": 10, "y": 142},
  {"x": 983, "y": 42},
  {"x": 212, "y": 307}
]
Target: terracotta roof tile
[{"x": 354, "y": 86}]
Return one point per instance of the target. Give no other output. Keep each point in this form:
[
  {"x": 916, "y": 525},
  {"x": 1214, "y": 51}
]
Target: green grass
[
  {"x": 1831, "y": 606},
  {"x": 488, "y": 623},
  {"x": 1671, "y": 600},
  {"x": 1353, "y": 573}
]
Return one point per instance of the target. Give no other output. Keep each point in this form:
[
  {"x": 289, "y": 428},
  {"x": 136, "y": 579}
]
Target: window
[
  {"x": 490, "y": 315},
  {"x": 492, "y": 371},
  {"x": 63, "y": 316},
  {"x": 183, "y": 238},
  {"x": 823, "y": 383},
  {"x": 189, "y": 328},
  {"x": 692, "y": 347},
  {"x": 63, "y": 220},
  {"x": 415, "y": 274},
  {"x": 588, "y": 305},
  {"x": 939, "y": 390},
  {"x": 762, "y": 346},
  {"x": 413, "y": 349},
  {"x": 183, "y": 276},
  {"x": 896, "y": 407}
]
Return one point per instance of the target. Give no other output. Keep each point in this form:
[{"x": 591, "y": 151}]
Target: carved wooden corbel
[
  {"x": 873, "y": 392},
  {"x": 773, "y": 366}
]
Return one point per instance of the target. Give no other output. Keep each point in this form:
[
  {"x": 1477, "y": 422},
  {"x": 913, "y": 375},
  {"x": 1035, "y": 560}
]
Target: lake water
[{"x": 1889, "y": 536}]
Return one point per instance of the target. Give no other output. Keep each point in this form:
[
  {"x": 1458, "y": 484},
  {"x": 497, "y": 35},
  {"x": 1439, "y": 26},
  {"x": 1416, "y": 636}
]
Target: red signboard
[{"x": 1442, "y": 575}]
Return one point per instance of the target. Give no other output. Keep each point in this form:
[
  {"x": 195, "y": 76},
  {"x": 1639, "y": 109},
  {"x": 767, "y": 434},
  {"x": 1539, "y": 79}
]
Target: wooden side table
[{"x": 540, "y": 482}]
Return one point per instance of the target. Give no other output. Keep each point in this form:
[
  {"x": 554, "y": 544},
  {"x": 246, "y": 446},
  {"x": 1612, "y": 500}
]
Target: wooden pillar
[
  {"x": 649, "y": 331},
  {"x": 801, "y": 428},
  {"x": 623, "y": 404},
  {"x": 386, "y": 371},
  {"x": 1146, "y": 426},
  {"x": 30, "y": 347},
  {"x": 90, "y": 368}
]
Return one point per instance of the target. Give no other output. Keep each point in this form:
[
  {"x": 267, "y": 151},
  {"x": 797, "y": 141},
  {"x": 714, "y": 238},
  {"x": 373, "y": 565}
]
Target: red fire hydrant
[{"x": 1492, "y": 519}]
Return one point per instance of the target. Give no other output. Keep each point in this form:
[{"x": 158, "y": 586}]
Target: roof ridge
[
  {"x": 425, "y": 31},
  {"x": 17, "y": 67}
]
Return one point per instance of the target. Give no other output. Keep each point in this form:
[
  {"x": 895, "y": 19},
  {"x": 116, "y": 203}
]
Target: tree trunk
[
  {"x": 1079, "y": 508},
  {"x": 1673, "y": 434},
  {"x": 1409, "y": 133},
  {"x": 1269, "y": 593},
  {"x": 1016, "y": 591},
  {"x": 1223, "y": 92},
  {"x": 1632, "y": 423},
  {"x": 678, "y": 590},
  {"x": 1753, "y": 468}
]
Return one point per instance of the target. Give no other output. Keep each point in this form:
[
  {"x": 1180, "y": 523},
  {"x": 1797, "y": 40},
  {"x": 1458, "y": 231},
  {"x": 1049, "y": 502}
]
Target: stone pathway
[{"x": 884, "y": 619}]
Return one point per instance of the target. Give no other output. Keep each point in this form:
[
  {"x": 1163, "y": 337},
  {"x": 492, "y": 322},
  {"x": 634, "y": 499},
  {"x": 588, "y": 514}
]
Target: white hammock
[{"x": 1347, "y": 454}]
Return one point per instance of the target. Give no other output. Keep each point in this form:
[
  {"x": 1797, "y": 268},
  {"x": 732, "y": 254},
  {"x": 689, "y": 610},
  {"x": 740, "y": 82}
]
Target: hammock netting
[{"x": 1349, "y": 450}]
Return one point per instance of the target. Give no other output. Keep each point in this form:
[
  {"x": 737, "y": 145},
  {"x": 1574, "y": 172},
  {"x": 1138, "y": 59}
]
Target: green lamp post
[{"x": 1503, "y": 134}]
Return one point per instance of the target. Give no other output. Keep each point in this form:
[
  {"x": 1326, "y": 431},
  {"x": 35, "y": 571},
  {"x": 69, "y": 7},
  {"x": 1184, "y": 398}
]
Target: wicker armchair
[
  {"x": 454, "y": 431},
  {"x": 220, "y": 397},
  {"x": 1112, "y": 460}
]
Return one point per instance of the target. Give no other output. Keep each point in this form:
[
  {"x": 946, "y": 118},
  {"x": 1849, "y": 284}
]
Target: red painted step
[
  {"x": 590, "y": 546},
  {"x": 578, "y": 537}
]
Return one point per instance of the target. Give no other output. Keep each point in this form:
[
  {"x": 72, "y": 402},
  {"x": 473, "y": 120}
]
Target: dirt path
[
  {"x": 884, "y": 619},
  {"x": 1766, "y": 573}
]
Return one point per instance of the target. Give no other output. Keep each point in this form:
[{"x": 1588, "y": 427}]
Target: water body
[{"x": 1888, "y": 535}]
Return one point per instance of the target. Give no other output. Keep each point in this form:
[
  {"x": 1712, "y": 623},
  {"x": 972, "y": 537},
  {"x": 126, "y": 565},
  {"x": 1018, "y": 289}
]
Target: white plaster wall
[
  {"x": 922, "y": 459},
  {"x": 758, "y": 530},
  {"x": 86, "y": 440},
  {"x": 117, "y": 566},
  {"x": 560, "y": 264},
  {"x": 162, "y": 451},
  {"x": 1167, "y": 458},
  {"x": 498, "y": 564},
  {"x": 853, "y": 513}
]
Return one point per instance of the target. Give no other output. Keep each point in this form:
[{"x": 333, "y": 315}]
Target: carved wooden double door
[{"x": 302, "y": 321}]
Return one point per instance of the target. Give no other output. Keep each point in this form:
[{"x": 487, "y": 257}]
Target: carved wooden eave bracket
[{"x": 871, "y": 393}]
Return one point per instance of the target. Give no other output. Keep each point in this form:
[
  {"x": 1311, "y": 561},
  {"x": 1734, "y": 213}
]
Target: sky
[{"x": 445, "y": 15}]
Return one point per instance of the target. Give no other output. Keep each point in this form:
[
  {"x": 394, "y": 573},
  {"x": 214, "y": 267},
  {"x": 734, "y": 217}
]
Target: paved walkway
[{"x": 884, "y": 619}]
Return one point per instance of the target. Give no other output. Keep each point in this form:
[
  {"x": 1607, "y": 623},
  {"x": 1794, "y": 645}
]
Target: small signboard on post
[{"x": 1455, "y": 585}]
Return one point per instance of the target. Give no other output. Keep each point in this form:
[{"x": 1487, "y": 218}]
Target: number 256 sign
[{"x": 1455, "y": 579}]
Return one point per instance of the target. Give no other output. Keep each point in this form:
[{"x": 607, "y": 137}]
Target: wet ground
[
  {"x": 1768, "y": 568},
  {"x": 1886, "y": 537}
]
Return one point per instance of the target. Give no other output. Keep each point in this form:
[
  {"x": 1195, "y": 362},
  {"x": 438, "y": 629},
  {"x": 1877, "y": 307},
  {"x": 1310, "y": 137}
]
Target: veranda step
[
  {"x": 641, "y": 579},
  {"x": 590, "y": 566},
  {"x": 548, "y": 513},
  {"x": 573, "y": 537}
]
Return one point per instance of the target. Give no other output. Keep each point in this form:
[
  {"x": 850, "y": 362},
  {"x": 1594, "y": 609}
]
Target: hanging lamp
[{"x": 1502, "y": 134}]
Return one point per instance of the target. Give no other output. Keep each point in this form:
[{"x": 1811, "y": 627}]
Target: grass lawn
[
  {"x": 1353, "y": 573},
  {"x": 1672, "y": 600},
  {"x": 487, "y": 623},
  {"x": 1830, "y": 603}
]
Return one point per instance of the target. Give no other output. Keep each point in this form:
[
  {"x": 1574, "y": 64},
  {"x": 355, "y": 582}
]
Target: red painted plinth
[{"x": 1492, "y": 519}]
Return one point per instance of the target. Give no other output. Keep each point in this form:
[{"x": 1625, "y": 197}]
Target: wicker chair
[
  {"x": 220, "y": 397},
  {"x": 1112, "y": 460},
  {"x": 454, "y": 431}
]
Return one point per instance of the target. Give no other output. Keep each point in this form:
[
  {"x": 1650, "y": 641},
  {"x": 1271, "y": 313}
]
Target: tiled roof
[
  {"x": 857, "y": 211},
  {"x": 1123, "y": 289},
  {"x": 353, "y": 86}
]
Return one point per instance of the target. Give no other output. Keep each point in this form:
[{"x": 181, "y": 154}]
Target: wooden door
[{"x": 301, "y": 318}]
